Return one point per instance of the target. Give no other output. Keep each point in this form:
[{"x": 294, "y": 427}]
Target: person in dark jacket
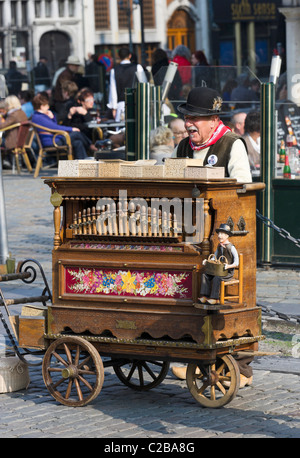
[
  {"x": 160, "y": 63},
  {"x": 201, "y": 74},
  {"x": 122, "y": 76},
  {"x": 68, "y": 74},
  {"x": 14, "y": 79},
  {"x": 69, "y": 91},
  {"x": 42, "y": 79},
  {"x": 80, "y": 113},
  {"x": 95, "y": 72}
]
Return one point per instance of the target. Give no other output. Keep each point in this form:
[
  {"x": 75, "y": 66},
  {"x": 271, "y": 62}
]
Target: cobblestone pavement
[{"x": 269, "y": 408}]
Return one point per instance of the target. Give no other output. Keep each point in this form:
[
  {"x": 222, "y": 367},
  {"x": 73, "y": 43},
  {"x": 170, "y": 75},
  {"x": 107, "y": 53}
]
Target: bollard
[
  {"x": 267, "y": 163},
  {"x": 14, "y": 375}
]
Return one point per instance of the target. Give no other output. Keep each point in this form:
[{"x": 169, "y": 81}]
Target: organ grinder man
[{"x": 213, "y": 142}]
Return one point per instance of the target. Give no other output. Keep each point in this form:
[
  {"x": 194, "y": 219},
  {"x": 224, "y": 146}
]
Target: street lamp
[
  {"x": 128, "y": 13},
  {"x": 143, "y": 51}
]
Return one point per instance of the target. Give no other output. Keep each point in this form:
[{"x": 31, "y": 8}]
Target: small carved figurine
[{"x": 210, "y": 284}]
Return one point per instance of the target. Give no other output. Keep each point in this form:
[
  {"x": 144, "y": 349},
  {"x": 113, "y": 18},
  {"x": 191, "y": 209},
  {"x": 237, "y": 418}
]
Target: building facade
[
  {"x": 247, "y": 33},
  {"x": 51, "y": 28},
  {"x": 58, "y": 28},
  {"x": 231, "y": 32}
]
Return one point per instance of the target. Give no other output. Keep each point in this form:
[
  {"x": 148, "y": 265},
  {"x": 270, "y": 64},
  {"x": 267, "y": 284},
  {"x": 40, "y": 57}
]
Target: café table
[{"x": 105, "y": 125}]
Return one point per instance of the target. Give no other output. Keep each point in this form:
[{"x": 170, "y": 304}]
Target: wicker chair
[
  {"x": 53, "y": 150},
  {"x": 24, "y": 140}
]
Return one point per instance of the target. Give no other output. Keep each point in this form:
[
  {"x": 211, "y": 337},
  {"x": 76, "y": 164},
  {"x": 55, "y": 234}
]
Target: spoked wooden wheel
[
  {"x": 141, "y": 375},
  {"x": 214, "y": 385},
  {"x": 73, "y": 371}
]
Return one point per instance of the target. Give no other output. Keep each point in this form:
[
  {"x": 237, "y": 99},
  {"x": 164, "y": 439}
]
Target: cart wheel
[
  {"x": 73, "y": 371},
  {"x": 141, "y": 375},
  {"x": 205, "y": 381}
]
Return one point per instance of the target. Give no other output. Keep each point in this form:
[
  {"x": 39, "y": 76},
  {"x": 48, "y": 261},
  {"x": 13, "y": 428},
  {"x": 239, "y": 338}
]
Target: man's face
[
  {"x": 200, "y": 128},
  {"x": 222, "y": 237},
  {"x": 178, "y": 129},
  {"x": 239, "y": 127},
  {"x": 73, "y": 68}
]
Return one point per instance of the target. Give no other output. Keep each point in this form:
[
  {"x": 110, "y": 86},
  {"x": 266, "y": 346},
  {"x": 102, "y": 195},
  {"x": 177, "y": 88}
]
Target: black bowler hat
[
  {"x": 202, "y": 101},
  {"x": 224, "y": 228}
]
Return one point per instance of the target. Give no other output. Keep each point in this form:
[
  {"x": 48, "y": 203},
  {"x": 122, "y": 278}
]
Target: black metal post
[
  {"x": 128, "y": 13},
  {"x": 129, "y": 27},
  {"x": 143, "y": 50}
]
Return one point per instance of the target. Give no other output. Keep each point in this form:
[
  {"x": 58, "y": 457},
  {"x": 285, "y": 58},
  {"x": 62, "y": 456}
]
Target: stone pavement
[{"x": 268, "y": 408}]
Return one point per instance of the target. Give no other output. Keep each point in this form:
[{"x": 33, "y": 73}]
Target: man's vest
[
  {"x": 124, "y": 75},
  {"x": 221, "y": 149},
  {"x": 226, "y": 251}
]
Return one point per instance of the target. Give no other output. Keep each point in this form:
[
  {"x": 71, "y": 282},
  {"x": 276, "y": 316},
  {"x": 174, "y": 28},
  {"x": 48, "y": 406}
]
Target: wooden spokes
[
  {"x": 141, "y": 375},
  {"x": 216, "y": 384},
  {"x": 73, "y": 371}
]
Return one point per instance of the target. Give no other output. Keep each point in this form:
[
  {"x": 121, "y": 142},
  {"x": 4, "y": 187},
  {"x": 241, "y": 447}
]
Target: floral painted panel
[
  {"x": 114, "y": 282},
  {"x": 106, "y": 246}
]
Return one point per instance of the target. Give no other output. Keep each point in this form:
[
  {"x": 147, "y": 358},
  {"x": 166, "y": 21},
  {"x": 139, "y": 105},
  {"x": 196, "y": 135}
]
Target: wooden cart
[{"x": 127, "y": 260}]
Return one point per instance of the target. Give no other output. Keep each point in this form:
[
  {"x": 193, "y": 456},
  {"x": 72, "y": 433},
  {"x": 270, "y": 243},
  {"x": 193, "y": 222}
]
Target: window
[
  {"x": 149, "y": 16},
  {"x": 19, "y": 44},
  {"x": 101, "y": 14},
  {"x": 48, "y": 8},
  {"x": 1, "y": 14},
  {"x": 71, "y": 8},
  {"x": 124, "y": 8},
  {"x": 61, "y": 8},
  {"x": 24, "y": 14},
  {"x": 13, "y": 13},
  {"x": 227, "y": 52},
  {"x": 37, "y": 8}
]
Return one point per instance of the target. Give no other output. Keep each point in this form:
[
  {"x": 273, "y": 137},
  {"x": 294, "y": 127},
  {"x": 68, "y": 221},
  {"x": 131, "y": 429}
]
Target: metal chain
[
  {"x": 285, "y": 234},
  {"x": 267, "y": 310}
]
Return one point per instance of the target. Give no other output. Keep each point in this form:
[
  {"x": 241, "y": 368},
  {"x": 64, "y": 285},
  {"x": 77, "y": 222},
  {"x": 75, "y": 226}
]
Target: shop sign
[{"x": 245, "y": 10}]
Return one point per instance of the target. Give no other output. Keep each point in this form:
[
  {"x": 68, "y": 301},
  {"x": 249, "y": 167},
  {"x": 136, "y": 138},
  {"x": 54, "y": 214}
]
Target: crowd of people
[{"x": 67, "y": 101}]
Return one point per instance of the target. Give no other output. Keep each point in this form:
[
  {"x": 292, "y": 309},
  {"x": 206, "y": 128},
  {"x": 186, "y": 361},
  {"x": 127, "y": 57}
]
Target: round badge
[{"x": 212, "y": 160}]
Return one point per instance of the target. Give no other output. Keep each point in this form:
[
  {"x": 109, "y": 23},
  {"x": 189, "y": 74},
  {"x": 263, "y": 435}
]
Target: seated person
[
  {"x": 252, "y": 139},
  {"x": 26, "y": 102},
  {"x": 12, "y": 114},
  {"x": 210, "y": 284},
  {"x": 69, "y": 91},
  {"x": 177, "y": 126},
  {"x": 161, "y": 144},
  {"x": 44, "y": 117},
  {"x": 80, "y": 113}
]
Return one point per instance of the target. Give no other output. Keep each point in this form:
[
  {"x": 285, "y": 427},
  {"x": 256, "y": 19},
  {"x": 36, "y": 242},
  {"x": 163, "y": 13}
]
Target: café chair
[
  {"x": 22, "y": 144},
  {"x": 54, "y": 150},
  {"x": 224, "y": 295},
  {"x": 97, "y": 134}
]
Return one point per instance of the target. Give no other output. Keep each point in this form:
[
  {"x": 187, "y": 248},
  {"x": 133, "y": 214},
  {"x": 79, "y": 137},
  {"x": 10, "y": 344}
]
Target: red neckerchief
[
  {"x": 216, "y": 135},
  {"x": 223, "y": 245}
]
